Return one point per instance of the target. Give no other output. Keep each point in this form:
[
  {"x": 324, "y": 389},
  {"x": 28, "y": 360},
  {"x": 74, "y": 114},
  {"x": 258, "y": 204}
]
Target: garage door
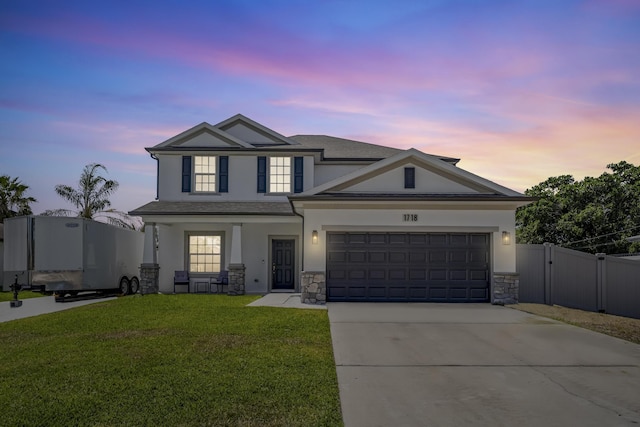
[{"x": 418, "y": 267}]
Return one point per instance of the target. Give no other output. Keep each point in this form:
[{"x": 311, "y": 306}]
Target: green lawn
[
  {"x": 8, "y": 296},
  {"x": 170, "y": 360}
]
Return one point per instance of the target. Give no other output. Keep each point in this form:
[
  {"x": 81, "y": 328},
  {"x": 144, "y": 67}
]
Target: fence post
[
  {"x": 548, "y": 277},
  {"x": 601, "y": 282}
]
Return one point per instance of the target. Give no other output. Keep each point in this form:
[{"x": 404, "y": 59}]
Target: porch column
[
  {"x": 149, "y": 255},
  {"x": 236, "y": 244},
  {"x": 236, "y": 267},
  {"x": 149, "y": 269}
]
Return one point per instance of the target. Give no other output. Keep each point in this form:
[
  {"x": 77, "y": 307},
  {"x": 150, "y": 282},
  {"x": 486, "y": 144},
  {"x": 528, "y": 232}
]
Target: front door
[{"x": 282, "y": 264}]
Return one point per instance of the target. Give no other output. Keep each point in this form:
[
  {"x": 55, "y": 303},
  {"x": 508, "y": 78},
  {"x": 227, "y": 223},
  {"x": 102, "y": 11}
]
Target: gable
[
  {"x": 433, "y": 176},
  {"x": 252, "y": 132},
  {"x": 207, "y": 139},
  {"x": 393, "y": 181},
  {"x": 245, "y": 133}
]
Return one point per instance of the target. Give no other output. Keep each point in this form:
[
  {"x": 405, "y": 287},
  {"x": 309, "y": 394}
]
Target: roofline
[
  {"x": 175, "y": 213},
  {"x": 414, "y": 197}
]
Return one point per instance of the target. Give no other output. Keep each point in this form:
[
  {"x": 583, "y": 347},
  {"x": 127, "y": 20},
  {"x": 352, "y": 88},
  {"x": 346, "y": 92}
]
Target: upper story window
[
  {"x": 280, "y": 174},
  {"x": 204, "y": 173}
]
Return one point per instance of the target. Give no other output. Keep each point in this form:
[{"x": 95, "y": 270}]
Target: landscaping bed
[
  {"x": 617, "y": 326},
  {"x": 170, "y": 360}
]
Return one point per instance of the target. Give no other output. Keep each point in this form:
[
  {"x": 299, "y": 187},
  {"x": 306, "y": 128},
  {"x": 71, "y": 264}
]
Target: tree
[
  {"x": 13, "y": 201},
  {"x": 595, "y": 214},
  {"x": 91, "y": 198}
]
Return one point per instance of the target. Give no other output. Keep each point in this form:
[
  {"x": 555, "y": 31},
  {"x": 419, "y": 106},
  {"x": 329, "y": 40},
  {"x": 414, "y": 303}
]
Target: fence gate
[{"x": 554, "y": 275}]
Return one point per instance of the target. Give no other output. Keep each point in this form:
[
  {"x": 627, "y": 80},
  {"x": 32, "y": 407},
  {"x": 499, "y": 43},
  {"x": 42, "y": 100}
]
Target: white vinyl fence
[{"x": 599, "y": 283}]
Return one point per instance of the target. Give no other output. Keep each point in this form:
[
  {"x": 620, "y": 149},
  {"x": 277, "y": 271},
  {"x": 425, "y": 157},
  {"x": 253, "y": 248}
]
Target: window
[
  {"x": 204, "y": 254},
  {"x": 280, "y": 174},
  {"x": 409, "y": 177},
  {"x": 205, "y": 173}
]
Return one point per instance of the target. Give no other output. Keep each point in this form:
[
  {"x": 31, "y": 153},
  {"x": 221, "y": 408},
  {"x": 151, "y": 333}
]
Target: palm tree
[
  {"x": 12, "y": 198},
  {"x": 91, "y": 198}
]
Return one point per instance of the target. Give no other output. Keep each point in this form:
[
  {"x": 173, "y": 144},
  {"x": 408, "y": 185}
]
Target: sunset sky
[{"x": 519, "y": 90}]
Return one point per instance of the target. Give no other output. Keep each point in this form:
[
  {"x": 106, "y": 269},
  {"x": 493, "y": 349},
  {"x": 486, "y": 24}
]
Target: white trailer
[{"x": 65, "y": 255}]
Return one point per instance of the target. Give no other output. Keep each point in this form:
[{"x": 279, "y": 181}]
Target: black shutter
[
  {"x": 186, "y": 174},
  {"x": 262, "y": 174},
  {"x": 409, "y": 177},
  {"x": 298, "y": 182},
  {"x": 223, "y": 174}
]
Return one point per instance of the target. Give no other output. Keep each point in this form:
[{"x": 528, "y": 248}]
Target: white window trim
[
  {"x": 187, "y": 252},
  {"x": 291, "y": 178},
  {"x": 195, "y": 174}
]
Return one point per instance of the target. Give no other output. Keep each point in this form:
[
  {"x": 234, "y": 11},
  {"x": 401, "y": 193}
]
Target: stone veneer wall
[
  {"x": 236, "y": 279},
  {"x": 149, "y": 278},
  {"x": 313, "y": 287},
  {"x": 506, "y": 287}
]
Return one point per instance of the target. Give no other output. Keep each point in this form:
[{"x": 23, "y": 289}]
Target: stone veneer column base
[
  {"x": 236, "y": 279},
  {"x": 313, "y": 287},
  {"x": 506, "y": 287},
  {"x": 149, "y": 279}
]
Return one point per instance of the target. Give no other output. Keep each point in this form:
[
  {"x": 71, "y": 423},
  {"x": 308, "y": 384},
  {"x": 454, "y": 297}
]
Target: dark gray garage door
[{"x": 446, "y": 267}]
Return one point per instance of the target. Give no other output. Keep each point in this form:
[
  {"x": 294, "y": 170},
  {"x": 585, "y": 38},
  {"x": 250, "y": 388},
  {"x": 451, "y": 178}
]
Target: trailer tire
[
  {"x": 124, "y": 286},
  {"x": 135, "y": 285}
]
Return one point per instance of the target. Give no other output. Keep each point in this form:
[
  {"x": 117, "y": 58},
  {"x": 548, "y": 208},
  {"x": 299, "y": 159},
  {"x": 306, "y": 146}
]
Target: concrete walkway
[
  {"x": 478, "y": 364},
  {"x": 36, "y": 306},
  {"x": 284, "y": 300}
]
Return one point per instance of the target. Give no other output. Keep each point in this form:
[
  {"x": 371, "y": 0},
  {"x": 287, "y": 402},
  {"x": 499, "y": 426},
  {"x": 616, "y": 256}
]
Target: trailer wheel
[
  {"x": 135, "y": 285},
  {"x": 124, "y": 286}
]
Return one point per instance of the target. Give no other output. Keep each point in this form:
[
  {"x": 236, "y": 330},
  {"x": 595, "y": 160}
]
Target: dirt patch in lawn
[{"x": 620, "y": 327}]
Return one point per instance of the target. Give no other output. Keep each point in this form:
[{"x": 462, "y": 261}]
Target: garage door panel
[
  {"x": 407, "y": 267},
  {"x": 415, "y": 274},
  {"x": 459, "y": 239},
  {"x": 357, "y": 291},
  {"x": 336, "y": 274},
  {"x": 397, "y": 257},
  {"x": 480, "y": 275},
  {"x": 438, "y": 274},
  {"x": 378, "y": 239},
  {"x": 437, "y": 239},
  {"x": 398, "y": 239},
  {"x": 377, "y": 257},
  {"x": 336, "y": 256},
  {"x": 377, "y": 274},
  {"x": 437, "y": 256},
  {"x": 437, "y": 293},
  {"x": 479, "y": 294},
  {"x": 458, "y": 275},
  {"x": 357, "y": 274},
  {"x": 397, "y": 274},
  {"x": 357, "y": 256},
  {"x": 354, "y": 239},
  {"x": 457, "y": 256}
]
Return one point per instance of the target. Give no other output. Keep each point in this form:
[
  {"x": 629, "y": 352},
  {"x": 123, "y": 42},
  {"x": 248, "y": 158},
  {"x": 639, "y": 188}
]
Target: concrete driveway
[{"x": 478, "y": 364}]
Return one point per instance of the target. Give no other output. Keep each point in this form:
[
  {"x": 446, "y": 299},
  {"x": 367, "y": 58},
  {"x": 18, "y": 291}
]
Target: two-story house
[{"x": 331, "y": 218}]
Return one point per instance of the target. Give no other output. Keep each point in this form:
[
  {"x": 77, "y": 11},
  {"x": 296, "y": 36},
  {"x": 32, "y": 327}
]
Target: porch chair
[
  {"x": 220, "y": 281},
  {"x": 180, "y": 278}
]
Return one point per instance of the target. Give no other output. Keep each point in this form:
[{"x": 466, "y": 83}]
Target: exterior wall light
[
  {"x": 314, "y": 237},
  {"x": 506, "y": 238}
]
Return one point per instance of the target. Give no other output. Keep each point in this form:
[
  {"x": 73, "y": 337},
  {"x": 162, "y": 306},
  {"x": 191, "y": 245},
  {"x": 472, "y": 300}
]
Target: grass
[
  {"x": 625, "y": 328},
  {"x": 185, "y": 360},
  {"x": 8, "y": 296}
]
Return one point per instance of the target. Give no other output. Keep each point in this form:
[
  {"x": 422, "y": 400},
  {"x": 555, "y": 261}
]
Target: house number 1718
[{"x": 410, "y": 217}]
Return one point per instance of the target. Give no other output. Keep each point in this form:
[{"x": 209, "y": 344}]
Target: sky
[{"x": 519, "y": 90}]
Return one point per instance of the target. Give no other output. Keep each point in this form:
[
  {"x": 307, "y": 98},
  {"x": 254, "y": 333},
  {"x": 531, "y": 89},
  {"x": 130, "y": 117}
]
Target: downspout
[
  {"x": 293, "y": 208},
  {"x": 157, "y": 175}
]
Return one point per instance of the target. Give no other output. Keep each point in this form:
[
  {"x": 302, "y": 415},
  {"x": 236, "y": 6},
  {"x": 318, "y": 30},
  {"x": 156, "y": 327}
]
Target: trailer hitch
[{"x": 15, "y": 287}]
